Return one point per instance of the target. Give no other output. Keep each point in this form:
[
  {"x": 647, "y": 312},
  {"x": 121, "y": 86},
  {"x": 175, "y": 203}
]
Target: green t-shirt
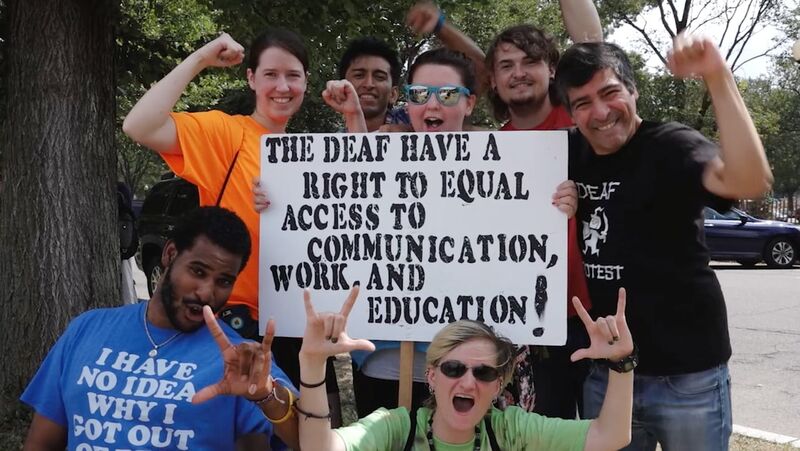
[{"x": 515, "y": 429}]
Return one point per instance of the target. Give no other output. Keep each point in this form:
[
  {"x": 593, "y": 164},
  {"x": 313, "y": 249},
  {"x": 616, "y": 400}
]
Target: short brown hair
[{"x": 537, "y": 45}]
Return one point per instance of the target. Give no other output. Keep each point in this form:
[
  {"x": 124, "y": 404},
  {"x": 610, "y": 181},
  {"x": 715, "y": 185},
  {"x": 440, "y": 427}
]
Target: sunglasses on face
[
  {"x": 446, "y": 95},
  {"x": 455, "y": 369}
]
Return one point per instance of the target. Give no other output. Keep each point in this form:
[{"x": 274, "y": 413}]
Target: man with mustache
[
  {"x": 642, "y": 188},
  {"x": 150, "y": 375},
  {"x": 373, "y": 68}
]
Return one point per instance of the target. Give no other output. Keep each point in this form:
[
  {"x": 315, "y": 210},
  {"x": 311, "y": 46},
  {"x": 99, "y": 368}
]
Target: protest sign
[{"x": 436, "y": 227}]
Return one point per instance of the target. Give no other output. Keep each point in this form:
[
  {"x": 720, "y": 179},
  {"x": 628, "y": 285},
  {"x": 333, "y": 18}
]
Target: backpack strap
[
  {"x": 412, "y": 431},
  {"x": 227, "y": 177},
  {"x": 487, "y": 423}
]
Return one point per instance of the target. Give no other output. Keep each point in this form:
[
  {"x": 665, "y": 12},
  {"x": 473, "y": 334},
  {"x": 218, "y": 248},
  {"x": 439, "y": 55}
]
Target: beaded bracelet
[{"x": 272, "y": 395}]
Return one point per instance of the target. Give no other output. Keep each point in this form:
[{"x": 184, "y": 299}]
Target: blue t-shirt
[{"x": 99, "y": 382}]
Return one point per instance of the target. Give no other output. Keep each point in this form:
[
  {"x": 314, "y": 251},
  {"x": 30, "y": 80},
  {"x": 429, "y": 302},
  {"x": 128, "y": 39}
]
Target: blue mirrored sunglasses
[{"x": 446, "y": 95}]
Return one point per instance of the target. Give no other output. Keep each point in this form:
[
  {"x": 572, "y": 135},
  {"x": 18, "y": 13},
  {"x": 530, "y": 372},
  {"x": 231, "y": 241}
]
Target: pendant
[{"x": 153, "y": 352}]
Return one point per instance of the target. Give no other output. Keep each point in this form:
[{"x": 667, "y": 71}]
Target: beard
[
  {"x": 169, "y": 302},
  {"x": 531, "y": 102}
]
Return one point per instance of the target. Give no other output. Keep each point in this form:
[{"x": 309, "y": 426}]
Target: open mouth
[
  {"x": 194, "y": 311},
  {"x": 282, "y": 100},
  {"x": 463, "y": 403},
  {"x": 433, "y": 123}
]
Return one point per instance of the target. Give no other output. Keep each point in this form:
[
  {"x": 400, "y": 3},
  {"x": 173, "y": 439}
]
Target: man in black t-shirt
[{"x": 641, "y": 188}]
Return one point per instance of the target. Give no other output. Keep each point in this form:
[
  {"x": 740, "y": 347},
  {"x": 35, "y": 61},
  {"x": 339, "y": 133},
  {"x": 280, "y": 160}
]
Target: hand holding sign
[
  {"x": 260, "y": 200},
  {"x": 566, "y": 198},
  {"x": 610, "y": 337},
  {"x": 247, "y": 365},
  {"x": 325, "y": 333}
]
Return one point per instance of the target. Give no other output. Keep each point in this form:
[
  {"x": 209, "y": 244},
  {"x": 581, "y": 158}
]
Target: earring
[{"x": 430, "y": 389}]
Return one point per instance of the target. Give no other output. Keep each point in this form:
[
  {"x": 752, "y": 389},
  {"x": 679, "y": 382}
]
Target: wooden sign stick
[{"x": 406, "y": 374}]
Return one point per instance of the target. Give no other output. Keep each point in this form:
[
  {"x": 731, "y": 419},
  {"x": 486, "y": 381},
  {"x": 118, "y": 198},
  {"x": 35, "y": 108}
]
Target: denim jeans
[{"x": 683, "y": 412}]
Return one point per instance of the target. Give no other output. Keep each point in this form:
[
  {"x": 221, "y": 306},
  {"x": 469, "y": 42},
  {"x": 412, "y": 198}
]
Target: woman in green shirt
[{"x": 468, "y": 365}]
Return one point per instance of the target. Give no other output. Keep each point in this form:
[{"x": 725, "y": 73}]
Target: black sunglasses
[{"x": 455, "y": 369}]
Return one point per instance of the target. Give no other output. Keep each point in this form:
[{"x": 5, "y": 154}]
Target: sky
[{"x": 631, "y": 40}]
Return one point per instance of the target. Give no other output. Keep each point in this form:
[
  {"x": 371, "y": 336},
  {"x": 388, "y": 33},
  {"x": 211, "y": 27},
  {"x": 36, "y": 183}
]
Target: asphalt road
[{"x": 764, "y": 321}]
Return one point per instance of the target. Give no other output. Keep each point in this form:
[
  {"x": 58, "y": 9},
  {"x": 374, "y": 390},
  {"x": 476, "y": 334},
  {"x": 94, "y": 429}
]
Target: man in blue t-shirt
[
  {"x": 642, "y": 186},
  {"x": 152, "y": 375}
]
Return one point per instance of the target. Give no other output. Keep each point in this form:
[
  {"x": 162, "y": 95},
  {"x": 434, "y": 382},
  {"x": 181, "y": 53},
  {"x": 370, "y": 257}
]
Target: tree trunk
[{"x": 59, "y": 245}]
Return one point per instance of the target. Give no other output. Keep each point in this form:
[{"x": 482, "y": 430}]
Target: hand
[
  {"x": 695, "y": 57},
  {"x": 325, "y": 333},
  {"x": 260, "y": 200},
  {"x": 342, "y": 97},
  {"x": 566, "y": 198},
  {"x": 223, "y": 51},
  {"x": 610, "y": 337},
  {"x": 422, "y": 18},
  {"x": 247, "y": 365}
]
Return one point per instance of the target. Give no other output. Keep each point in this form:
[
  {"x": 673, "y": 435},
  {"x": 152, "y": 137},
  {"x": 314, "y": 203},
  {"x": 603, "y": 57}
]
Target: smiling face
[
  {"x": 372, "y": 77},
  {"x": 605, "y": 111},
  {"x": 462, "y": 402},
  {"x": 433, "y": 116},
  {"x": 279, "y": 83},
  {"x": 520, "y": 81},
  {"x": 202, "y": 275}
]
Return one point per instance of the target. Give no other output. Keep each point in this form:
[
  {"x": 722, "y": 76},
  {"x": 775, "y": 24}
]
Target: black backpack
[{"x": 128, "y": 237}]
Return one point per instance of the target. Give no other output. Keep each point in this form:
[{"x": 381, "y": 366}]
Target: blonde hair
[{"x": 463, "y": 331}]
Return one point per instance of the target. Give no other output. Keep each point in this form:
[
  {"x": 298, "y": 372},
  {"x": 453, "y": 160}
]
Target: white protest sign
[{"x": 436, "y": 227}]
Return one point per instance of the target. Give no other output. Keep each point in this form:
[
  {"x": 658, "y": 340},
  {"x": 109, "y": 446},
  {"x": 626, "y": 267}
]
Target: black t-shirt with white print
[{"x": 640, "y": 227}]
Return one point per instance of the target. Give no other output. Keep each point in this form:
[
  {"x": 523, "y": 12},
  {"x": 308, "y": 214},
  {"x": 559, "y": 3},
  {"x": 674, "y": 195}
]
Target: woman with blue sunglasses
[{"x": 468, "y": 364}]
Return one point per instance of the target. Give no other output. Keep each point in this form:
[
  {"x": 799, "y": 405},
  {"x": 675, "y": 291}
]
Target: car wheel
[
  {"x": 780, "y": 253},
  {"x": 152, "y": 269},
  {"x": 747, "y": 263}
]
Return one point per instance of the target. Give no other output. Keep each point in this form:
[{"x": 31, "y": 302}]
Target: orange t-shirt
[{"x": 208, "y": 142}]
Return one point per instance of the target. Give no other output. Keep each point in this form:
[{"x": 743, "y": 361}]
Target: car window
[
  {"x": 156, "y": 201},
  {"x": 186, "y": 198},
  {"x": 711, "y": 214},
  {"x": 731, "y": 215}
]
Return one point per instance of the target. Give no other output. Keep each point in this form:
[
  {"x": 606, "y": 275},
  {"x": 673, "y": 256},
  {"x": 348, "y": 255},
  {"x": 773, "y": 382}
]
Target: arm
[
  {"x": 582, "y": 21},
  {"x": 422, "y": 19},
  {"x": 45, "y": 434},
  {"x": 610, "y": 339},
  {"x": 742, "y": 169},
  {"x": 324, "y": 336},
  {"x": 149, "y": 123}
]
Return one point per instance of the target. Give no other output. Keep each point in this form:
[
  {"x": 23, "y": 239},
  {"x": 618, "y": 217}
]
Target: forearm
[
  {"x": 148, "y": 122},
  {"x": 612, "y": 428},
  {"x": 280, "y": 410},
  {"x": 355, "y": 122},
  {"x": 455, "y": 40},
  {"x": 582, "y": 21},
  {"x": 745, "y": 172},
  {"x": 315, "y": 433}
]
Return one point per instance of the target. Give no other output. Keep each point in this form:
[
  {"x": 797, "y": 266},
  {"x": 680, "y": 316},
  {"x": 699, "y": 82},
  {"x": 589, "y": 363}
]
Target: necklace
[
  {"x": 477, "y": 446},
  {"x": 154, "y": 352}
]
